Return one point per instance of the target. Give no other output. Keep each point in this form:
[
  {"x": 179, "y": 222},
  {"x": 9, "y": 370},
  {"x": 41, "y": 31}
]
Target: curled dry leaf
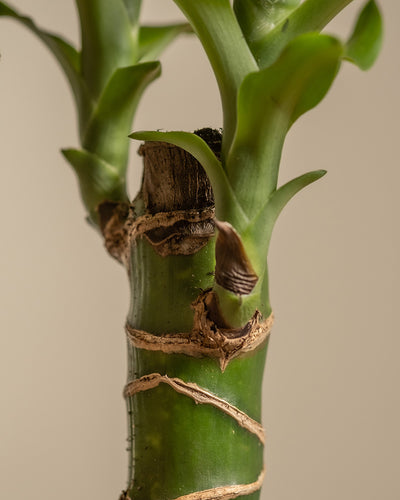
[{"x": 233, "y": 269}]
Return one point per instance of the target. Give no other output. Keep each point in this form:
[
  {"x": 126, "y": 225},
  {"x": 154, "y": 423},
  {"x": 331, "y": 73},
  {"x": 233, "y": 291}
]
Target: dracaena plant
[
  {"x": 195, "y": 238},
  {"x": 272, "y": 65},
  {"x": 107, "y": 77}
]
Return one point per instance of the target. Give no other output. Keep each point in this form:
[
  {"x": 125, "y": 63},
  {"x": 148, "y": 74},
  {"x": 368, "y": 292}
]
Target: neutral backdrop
[{"x": 331, "y": 388}]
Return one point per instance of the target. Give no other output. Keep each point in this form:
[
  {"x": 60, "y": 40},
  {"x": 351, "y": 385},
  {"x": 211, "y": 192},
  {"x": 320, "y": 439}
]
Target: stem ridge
[
  {"x": 200, "y": 396},
  {"x": 206, "y": 338},
  {"x": 221, "y": 492},
  {"x": 226, "y": 492},
  {"x": 177, "y": 232}
]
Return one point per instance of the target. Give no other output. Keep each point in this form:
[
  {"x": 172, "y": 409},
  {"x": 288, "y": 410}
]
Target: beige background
[{"x": 331, "y": 397}]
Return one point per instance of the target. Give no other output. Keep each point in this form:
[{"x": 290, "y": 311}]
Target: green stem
[
  {"x": 177, "y": 446},
  {"x": 228, "y": 52},
  {"x": 105, "y": 48}
]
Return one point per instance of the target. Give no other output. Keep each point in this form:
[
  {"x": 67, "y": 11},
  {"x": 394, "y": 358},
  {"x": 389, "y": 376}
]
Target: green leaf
[
  {"x": 258, "y": 17},
  {"x": 154, "y": 39},
  {"x": 227, "y": 207},
  {"x": 108, "y": 41},
  {"x": 231, "y": 59},
  {"x": 309, "y": 16},
  {"x": 111, "y": 121},
  {"x": 98, "y": 180},
  {"x": 365, "y": 42},
  {"x": 67, "y": 56},
  {"x": 258, "y": 234},
  {"x": 269, "y": 101},
  {"x": 133, "y": 9}
]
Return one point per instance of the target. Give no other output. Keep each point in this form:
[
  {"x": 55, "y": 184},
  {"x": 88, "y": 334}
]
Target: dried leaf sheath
[{"x": 233, "y": 270}]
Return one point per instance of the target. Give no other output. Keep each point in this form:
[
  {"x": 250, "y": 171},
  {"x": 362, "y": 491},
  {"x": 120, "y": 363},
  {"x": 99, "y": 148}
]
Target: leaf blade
[
  {"x": 154, "y": 39},
  {"x": 365, "y": 43},
  {"x": 309, "y": 16},
  {"x": 98, "y": 180},
  {"x": 108, "y": 127},
  {"x": 258, "y": 234},
  {"x": 258, "y": 17},
  {"x": 269, "y": 102},
  {"x": 66, "y": 55}
]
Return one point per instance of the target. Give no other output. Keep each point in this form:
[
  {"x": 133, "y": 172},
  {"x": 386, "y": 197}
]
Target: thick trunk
[
  {"x": 178, "y": 446},
  {"x": 194, "y": 385}
]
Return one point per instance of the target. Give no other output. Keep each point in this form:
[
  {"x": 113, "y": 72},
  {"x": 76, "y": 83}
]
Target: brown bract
[
  {"x": 207, "y": 339},
  {"x": 176, "y": 214},
  {"x": 233, "y": 270},
  {"x": 181, "y": 232}
]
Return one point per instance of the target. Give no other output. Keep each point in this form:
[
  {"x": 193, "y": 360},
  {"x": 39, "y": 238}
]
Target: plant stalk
[{"x": 197, "y": 428}]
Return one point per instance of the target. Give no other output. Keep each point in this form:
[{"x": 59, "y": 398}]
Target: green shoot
[
  {"x": 107, "y": 77},
  {"x": 231, "y": 59},
  {"x": 270, "y": 100},
  {"x": 365, "y": 42},
  {"x": 272, "y": 65}
]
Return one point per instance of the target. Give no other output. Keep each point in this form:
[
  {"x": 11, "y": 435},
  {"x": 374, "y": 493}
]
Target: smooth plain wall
[{"x": 331, "y": 397}]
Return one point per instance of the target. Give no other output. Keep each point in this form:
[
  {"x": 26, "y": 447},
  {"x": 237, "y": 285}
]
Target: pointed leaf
[
  {"x": 67, "y": 56},
  {"x": 154, "y": 39},
  {"x": 197, "y": 147},
  {"x": 108, "y": 41},
  {"x": 107, "y": 131},
  {"x": 365, "y": 42},
  {"x": 231, "y": 59},
  {"x": 258, "y": 17},
  {"x": 258, "y": 234},
  {"x": 309, "y": 16},
  {"x": 269, "y": 102},
  {"x": 133, "y": 9},
  {"x": 98, "y": 180}
]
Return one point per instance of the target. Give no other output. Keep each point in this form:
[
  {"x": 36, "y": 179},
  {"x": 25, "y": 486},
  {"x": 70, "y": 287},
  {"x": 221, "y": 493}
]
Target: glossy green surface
[
  {"x": 258, "y": 17},
  {"x": 178, "y": 446},
  {"x": 311, "y": 16},
  {"x": 181, "y": 447},
  {"x": 162, "y": 289},
  {"x": 233, "y": 384}
]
